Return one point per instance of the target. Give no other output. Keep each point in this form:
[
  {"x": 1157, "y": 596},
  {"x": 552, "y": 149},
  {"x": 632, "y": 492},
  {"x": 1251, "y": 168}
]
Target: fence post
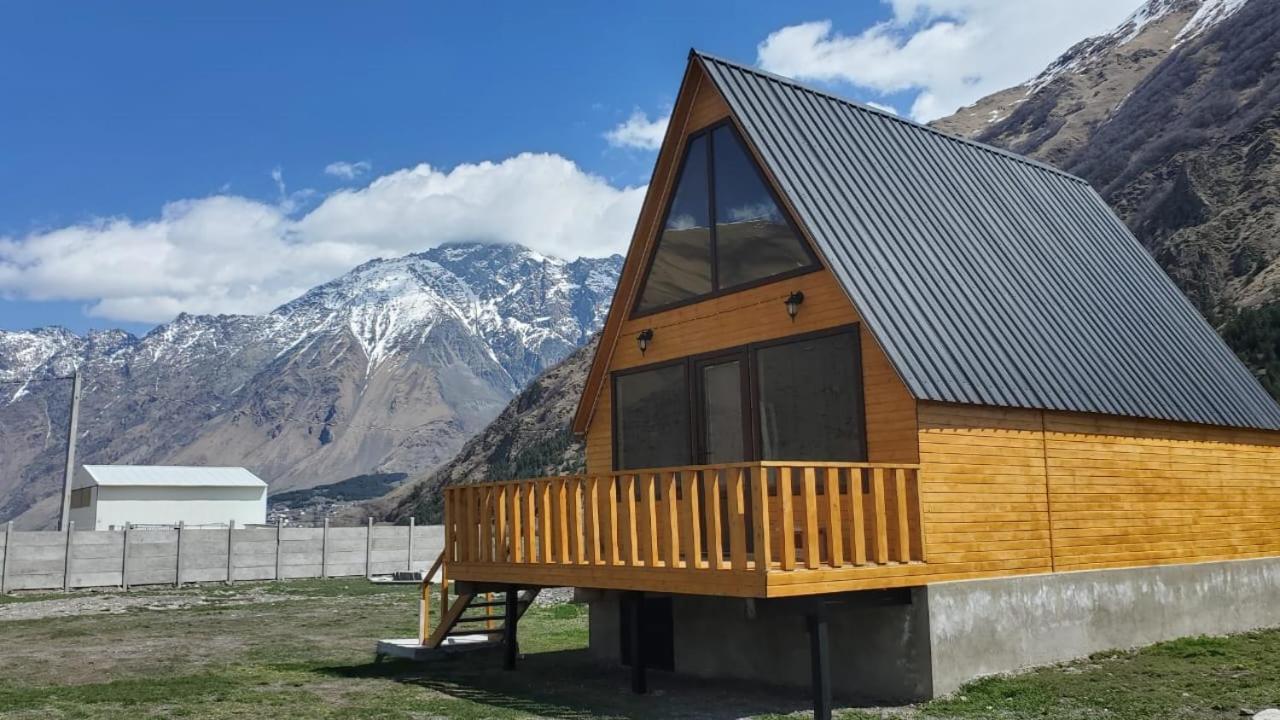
[
  {"x": 177, "y": 570},
  {"x": 324, "y": 550},
  {"x": 368, "y": 549},
  {"x": 124, "y": 557},
  {"x": 8, "y": 552},
  {"x": 231, "y": 555},
  {"x": 409, "y": 565},
  {"x": 279, "y": 526}
]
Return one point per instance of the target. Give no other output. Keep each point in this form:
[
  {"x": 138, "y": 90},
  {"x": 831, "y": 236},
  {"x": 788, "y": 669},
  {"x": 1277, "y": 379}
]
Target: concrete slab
[{"x": 411, "y": 649}]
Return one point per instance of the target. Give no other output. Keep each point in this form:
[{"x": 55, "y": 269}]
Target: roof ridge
[{"x": 694, "y": 52}]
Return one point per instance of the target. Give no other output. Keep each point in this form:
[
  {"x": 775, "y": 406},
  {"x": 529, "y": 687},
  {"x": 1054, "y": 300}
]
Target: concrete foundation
[{"x": 926, "y": 642}]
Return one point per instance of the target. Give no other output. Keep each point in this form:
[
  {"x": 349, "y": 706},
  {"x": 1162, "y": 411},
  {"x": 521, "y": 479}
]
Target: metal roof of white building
[{"x": 171, "y": 476}]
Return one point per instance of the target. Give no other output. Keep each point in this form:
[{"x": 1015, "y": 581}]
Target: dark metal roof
[{"x": 987, "y": 277}]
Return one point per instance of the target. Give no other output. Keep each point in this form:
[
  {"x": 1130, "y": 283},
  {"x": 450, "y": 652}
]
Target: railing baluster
[
  {"x": 486, "y": 531},
  {"x": 500, "y": 540},
  {"x": 810, "y": 507},
  {"x": 881, "y": 535},
  {"x": 857, "y": 526},
  {"x": 591, "y": 510},
  {"x": 693, "y": 530},
  {"x": 627, "y": 534},
  {"x": 671, "y": 518},
  {"x": 835, "y": 536},
  {"x": 917, "y": 514},
  {"x": 785, "y": 488},
  {"x": 715, "y": 525},
  {"x": 760, "y": 518},
  {"x": 516, "y": 518},
  {"x": 649, "y": 517},
  {"x": 737, "y": 520},
  {"x": 609, "y": 497},
  {"x": 560, "y": 520},
  {"x": 543, "y": 488},
  {"x": 576, "y": 551},
  {"x": 904, "y": 524},
  {"x": 530, "y": 504}
]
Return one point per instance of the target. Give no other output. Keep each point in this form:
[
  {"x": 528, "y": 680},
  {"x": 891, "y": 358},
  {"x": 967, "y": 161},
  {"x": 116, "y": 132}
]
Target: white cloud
[
  {"x": 950, "y": 52},
  {"x": 238, "y": 255},
  {"x": 347, "y": 170},
  {"x": 639, "y": 131}
]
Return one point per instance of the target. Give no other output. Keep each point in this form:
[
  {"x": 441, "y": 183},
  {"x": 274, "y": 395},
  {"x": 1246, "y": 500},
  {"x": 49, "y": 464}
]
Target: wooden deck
[{"x": 693, "y": 530}]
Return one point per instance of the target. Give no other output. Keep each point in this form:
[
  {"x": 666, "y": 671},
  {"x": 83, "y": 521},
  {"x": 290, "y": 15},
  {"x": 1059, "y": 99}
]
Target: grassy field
[{"x": 303, "y": 649}]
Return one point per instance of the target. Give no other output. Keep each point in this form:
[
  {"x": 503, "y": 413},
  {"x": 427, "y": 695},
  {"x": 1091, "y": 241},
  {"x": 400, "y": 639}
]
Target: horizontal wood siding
[
  {"x": 983, "y": 490},
  {"x": 1128, "y": 492},
  {"x": 755, "y": 315}
]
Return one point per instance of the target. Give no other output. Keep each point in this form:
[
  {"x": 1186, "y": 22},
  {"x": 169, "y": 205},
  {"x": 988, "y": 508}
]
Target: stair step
[
  {"x": 457, "y": 633},
  {"x": 479, "y": 618},
  {"x": 497, "y": 603}
]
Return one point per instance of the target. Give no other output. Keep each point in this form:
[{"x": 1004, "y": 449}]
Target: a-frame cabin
[{"x": 896, "y": 382}]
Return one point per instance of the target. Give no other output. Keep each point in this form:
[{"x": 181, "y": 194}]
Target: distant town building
[{"x": 104, "y": 496}]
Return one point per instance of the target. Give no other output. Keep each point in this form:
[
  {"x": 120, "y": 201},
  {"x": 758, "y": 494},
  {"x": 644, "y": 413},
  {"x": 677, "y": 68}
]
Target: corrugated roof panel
[{"x": 988, "y": 277}]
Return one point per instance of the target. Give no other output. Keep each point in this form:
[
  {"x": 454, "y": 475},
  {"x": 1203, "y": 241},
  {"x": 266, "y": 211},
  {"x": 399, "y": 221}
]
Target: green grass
[{"x": 303, "y": 649}]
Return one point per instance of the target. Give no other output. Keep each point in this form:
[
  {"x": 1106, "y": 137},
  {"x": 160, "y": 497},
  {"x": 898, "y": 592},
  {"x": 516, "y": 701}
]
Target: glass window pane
[
  {"x": 682, "y": 263},
  {"x": 753, "y": 238},
  {"x": 811, "y": 400},
  {"x": 652, "y": 418},
  {"x": 722, "y": 413}
]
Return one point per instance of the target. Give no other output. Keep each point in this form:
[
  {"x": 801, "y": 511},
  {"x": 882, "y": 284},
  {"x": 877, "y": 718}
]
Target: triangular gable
[
  {"x": 723, "y": 228},
  {"x": 699, "y": 107}
]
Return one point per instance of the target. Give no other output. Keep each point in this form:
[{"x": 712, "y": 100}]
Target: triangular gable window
[{"x": 724, "y": 229}]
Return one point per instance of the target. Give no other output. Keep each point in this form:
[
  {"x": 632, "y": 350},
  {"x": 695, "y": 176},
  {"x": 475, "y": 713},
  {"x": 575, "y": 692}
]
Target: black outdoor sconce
[
  {"x": 644, "y": 338},
  {"x": 793, "y": 304}
]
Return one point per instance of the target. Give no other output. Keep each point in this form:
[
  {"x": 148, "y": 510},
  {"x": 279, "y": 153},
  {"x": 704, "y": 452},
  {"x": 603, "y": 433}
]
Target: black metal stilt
[
  {"x": 820, "y": 663},
  {"x": 511, "y": 646},
  {"x": 635, "y": 606}
]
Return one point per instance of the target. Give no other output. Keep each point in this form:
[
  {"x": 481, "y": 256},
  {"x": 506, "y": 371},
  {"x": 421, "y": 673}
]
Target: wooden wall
[
  {"x": 754, "y": 315},
  {"x": 1011, "y": 490}
]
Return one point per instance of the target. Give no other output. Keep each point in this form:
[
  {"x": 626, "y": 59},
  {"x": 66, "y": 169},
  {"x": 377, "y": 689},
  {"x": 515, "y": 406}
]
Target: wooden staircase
[{"x": 468, "y": 620}]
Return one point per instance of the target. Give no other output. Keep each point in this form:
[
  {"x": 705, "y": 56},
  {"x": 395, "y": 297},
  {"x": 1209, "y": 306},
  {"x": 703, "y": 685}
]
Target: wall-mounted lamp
[
  {"x": 794, "y": 301},
  {"x": 644, "y": 338}
]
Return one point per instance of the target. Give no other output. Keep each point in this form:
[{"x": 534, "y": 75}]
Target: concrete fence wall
[{"x": 51, "y": 560}]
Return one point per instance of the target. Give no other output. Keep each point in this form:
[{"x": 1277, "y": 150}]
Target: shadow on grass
[{"x": 571, "y": 684}]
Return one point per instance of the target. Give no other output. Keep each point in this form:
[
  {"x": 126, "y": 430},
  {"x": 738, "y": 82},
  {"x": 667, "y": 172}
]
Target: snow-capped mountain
[{"x": 389, "y": 367}]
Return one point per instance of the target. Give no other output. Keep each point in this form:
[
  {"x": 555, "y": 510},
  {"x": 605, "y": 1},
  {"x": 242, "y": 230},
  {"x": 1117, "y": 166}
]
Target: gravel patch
[{"x": 554, "y": 596}]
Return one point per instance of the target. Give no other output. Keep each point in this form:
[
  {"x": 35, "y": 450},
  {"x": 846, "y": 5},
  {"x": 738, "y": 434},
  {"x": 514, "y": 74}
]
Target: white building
[{"x": 103, "y": 496}]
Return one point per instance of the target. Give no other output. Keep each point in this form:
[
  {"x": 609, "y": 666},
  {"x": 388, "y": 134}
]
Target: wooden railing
[{"x": 702, "y": 518}]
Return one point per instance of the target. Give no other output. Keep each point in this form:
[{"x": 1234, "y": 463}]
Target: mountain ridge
[{"x": 389, "y": 367}]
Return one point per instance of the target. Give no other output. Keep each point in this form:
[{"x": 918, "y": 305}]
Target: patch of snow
[{"x": 1211, "y": 13}]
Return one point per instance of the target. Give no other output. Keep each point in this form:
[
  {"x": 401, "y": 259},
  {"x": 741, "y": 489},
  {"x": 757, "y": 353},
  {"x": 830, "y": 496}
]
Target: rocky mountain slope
[
  {"x": 389, "y": 368},
  {"x": 1174, "y": 118},
  {"x": 529, "y": 438}
]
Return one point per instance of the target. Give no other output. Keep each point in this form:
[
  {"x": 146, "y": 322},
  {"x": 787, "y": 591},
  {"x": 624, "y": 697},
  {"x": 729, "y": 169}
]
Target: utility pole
[{"x": 71, "y": 451}]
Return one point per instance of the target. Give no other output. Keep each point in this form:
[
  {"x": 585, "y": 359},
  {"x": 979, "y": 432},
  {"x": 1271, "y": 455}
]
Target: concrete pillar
[
  {"x": 124, "y": 557},
  {"x": 409, "y": 563},
  {"x": 8, "y": 552},
  {"x": 324, "y": 550},
  {"x": 66, "y": 557},
  {"x": 177, "y": 570},
  {"x": 231, "y": 552},
  {"x": 368, "y": 550},
  {"x": 279, "y": 528}
]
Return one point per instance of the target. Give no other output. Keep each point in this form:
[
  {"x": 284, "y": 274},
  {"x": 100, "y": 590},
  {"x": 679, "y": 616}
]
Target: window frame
[
  {"x": 747, "y": 352},
  {"x": 717, "y": 291}
]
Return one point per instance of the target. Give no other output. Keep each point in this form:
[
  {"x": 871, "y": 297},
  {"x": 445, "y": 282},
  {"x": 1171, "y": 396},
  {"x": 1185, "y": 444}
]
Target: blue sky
[{"x": 164, "y": 157}]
